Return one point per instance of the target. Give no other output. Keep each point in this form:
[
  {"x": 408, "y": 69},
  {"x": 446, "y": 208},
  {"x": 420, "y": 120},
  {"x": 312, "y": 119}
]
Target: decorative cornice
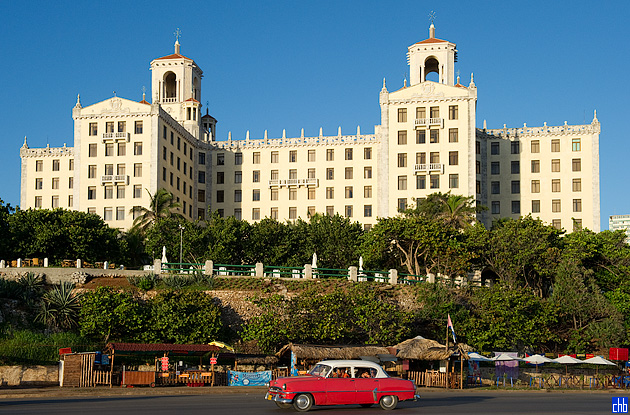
[
  {"x": 47, "y": 152},
  {"x": 294, "y": 142},
  {"x": 565, "y": 129}
]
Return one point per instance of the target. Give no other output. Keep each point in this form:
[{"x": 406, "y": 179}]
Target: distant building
[
  {"x": 620, "y": 223},
  {"x": 427, "y": 141}
]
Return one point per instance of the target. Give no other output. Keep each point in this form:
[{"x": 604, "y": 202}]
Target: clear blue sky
[{"x": 308, "y": 64}]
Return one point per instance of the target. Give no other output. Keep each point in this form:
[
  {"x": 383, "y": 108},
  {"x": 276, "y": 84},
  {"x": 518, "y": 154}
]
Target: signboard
[
  {"x": 249, "y": 378},
  {"x": 165, "y": 364},
  {"x": 65, "y": 350},
  {"x": 213, "y": 360}
]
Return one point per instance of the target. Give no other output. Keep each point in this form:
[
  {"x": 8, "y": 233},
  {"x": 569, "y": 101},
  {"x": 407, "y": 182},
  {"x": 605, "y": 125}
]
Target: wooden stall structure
[
  {"x": 78, "y": 370},
  {"x": 189, "y": 377},
  {"x": 421, "y": 349}
]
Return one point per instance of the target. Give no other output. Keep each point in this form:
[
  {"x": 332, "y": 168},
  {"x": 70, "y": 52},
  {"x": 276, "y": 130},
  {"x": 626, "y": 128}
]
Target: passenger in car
[
  {"x": 366, "y": 374},
  {"x": 343, "y": 373}
]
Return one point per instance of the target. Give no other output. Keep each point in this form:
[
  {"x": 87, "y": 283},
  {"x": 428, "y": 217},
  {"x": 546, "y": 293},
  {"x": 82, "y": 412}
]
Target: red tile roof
[
  {"x": 144, "y": 102},
  {"x": 172, "y": 348},
  {"x": 174, "y": 56},
  {"x": 432, "y": 40},
  {"x": 192, "y": 99}
]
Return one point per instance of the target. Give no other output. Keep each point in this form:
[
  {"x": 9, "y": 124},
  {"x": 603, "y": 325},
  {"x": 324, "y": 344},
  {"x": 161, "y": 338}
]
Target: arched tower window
[
  {"x": 431, "y": 65},
  {"x": 170, "y": 85}
]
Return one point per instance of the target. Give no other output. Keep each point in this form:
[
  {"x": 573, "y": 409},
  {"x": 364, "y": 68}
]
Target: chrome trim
[
  {"x": 416, "y": 397},
  {"x": 277, "y": 398}
]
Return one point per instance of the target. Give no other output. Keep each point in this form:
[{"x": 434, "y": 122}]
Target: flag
[{"x": 450, "y": 326}]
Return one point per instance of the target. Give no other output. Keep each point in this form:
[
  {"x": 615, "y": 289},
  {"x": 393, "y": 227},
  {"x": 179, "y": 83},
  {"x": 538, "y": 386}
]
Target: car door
[
  {"x": 365, "y": 386},
  {"x": 340, "y": 390}
]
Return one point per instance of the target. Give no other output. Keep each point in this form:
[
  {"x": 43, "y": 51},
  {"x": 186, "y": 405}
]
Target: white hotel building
[{"x": 427, "y": 142}]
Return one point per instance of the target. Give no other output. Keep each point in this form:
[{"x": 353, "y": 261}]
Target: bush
[{"x": 32, "y": 348}]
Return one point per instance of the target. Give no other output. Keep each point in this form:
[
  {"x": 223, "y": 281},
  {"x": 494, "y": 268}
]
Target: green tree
[
  {"x": 184, "y": 317},
  {"x": 109, "y": 315},
  {"x": 456, "y": 211},
  {"x": 335, "y": 239},
  {"x": 226, "y": 239},
  {"x": 60, "y": 307},
  {"x": 523, "y": 253},
  {"x": 161, "y": 205}
]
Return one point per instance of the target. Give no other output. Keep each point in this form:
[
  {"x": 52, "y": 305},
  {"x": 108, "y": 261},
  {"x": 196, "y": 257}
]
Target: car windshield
[{"x": 320, "y": 370}]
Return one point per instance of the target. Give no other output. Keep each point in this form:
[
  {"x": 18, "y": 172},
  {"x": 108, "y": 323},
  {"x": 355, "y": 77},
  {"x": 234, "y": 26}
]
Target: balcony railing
[
  {"x": 424, "y": 122},
  {"x": 119, "y": 178},
  {"x": 293, "y": 182},
  {"x": 169, "y": 100},
  {"x": 429, "y": 167},
  {"x": 116, "y": 137}
]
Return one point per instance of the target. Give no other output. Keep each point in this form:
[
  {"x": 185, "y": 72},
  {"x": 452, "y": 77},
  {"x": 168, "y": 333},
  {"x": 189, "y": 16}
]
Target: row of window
[
  {"x": 293, "y": 174},
  {"x": 495, "y": 166},
  {"x": 556, "y": 206},
  {"x": 115, "y": 149},
  {"x": 177, "y": 182},
  {"x": 292, "y": 194},
  {"x": 293, "y": 212},
  {"x": 178, "y": 143},
  {"x": 39, "y": 183},
  {"x": 56, "y": 163},
  {"x": 434, "y": 136},
  {"x": 495, "y": 186},
  {"x": 495, "y": 147},
  {"x": 54, "y": 201},
  {"x": 293, "y": 156},
  {"x": 434, "y": 112},
  {"x": 434, "y": 181},
  {"x": 434, "y": 158},
  {"x": 110, "y": 126},
  {"x": 177, "y": 163}
]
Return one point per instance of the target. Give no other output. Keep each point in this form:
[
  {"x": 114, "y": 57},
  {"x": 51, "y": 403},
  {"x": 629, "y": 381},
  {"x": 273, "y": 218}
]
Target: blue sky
[{"x": 308, "y": 64}]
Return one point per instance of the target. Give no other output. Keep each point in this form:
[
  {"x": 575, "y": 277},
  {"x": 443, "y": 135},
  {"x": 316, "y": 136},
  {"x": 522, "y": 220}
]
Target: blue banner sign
[{"x": 249, "y": 378}]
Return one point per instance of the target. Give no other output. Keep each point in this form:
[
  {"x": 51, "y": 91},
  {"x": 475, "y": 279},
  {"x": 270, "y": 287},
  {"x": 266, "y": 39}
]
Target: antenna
[{"x": 432, "y": 16}]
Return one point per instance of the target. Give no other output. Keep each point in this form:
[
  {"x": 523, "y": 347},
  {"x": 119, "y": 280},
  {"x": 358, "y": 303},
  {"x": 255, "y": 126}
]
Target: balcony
[
  {"x": 169, "y": 100},
  {"x": 293, "y": 182},
  {"x": 428, "y": 122},
  {"x": 115, "y": 179},
  {"x": 428, "y": 168},
  {"x": 116, "y": 137}
]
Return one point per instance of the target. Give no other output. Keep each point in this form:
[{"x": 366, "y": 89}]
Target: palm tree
[
  {"x": 60, "y": 307},
  {"x": 457, "y": 211},
  {"x": 160, "y": 207}
]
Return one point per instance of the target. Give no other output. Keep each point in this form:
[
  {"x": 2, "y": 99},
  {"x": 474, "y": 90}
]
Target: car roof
[{"x": 362, "y": 363}]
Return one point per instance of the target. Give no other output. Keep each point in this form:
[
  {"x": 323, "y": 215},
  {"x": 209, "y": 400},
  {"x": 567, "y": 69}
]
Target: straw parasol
[
  {"x": 420, "y": 348},
  {"x": 317, "y": 352}
]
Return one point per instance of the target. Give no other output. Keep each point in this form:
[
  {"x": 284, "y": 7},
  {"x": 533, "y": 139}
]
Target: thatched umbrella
[
  {"x": 317, "y": 352},
  {"x": 420, "y": 348}
]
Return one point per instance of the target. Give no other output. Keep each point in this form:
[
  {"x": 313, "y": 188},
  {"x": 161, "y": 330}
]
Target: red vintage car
[{"x": 341, "y": 382}]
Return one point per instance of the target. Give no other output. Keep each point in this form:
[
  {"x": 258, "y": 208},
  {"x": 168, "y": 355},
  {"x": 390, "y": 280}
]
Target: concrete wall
[
  {"x": 29, "y": 376},
  {"x": 58, "y": 275}
]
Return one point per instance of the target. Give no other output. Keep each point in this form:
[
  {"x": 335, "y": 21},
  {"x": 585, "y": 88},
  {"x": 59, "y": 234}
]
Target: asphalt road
[{"x": 440, "y": 402}]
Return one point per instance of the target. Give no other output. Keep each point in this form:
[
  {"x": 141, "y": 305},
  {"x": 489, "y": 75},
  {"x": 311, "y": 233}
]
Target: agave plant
[{"x": 60, "y": 307}]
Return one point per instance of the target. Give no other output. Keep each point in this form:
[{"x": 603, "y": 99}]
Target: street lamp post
[{"x": 181, "y": 244}]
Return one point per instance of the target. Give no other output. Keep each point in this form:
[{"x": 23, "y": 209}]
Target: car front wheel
[
  {"x": 283, "y": 405},
  {"x": 303, "y": 402},
  {"x": 388, "y": 402}
]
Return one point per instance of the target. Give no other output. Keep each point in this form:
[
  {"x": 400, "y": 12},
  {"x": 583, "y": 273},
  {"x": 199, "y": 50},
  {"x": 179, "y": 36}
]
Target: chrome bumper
[
  {"x": 277, "y": 398},
  {"x": 416, "y": 397}
]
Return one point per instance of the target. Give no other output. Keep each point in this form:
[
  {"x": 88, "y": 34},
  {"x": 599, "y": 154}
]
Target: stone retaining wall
[
  {"x": 29, "y": 375},
  {"x": 59, "y": 275}
]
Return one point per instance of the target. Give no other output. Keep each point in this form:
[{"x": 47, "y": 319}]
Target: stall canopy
[
  {"x": 161, "y": 348},
  {"x": 317, "y": 352}
]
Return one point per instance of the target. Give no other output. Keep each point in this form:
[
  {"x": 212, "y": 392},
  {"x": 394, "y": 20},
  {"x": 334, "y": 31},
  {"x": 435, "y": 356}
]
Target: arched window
[
  {"x": 170, "y": 85},
  {"x": 431, "y": 65}
]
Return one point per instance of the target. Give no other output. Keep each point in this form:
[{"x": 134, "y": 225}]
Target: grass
[{"x": 26, "y": 347}]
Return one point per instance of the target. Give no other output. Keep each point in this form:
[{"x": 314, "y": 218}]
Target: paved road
[{"x": 454, "y": 402}]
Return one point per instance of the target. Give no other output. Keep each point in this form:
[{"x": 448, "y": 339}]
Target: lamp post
[{"x": 181, "y": 243}]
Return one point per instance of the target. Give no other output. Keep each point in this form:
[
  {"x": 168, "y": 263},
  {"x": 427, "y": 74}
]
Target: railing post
[
  {"x": 431, "y": 278},
  {"x": 157, "y": 266},
  {"x": 260, "y": 269},
  {"x": 393, "y": 276},
  {"x": 308, "y": 271},
  {"x": 45, "y": 262},
  {"x": 79, "y": 264},
  {"x": 207, "y": 268},
  {"x": 105, "y": 265},
  {"x": 353, "y": 274},
  {"x": 2, "y": 264}
]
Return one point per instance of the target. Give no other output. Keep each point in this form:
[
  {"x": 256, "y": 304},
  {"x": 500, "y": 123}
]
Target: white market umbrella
[
  {"x": 478, "y": 357},
  {"x": 567, "y": 360},
  {"x": 599, "y": 361},
  {"x": 538, "y": 359}
]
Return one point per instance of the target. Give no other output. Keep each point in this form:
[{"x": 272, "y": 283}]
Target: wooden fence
[{"x": 434, "y": 378}]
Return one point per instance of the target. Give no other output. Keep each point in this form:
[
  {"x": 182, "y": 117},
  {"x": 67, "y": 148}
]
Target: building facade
[
  {"x": 620, "y": 223},
  {"x": 427, "y": 141}
]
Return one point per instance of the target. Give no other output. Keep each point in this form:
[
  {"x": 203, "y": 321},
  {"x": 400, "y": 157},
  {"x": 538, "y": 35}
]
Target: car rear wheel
[
  {"x": 303, "y": 402},
  {"x": 388, "y": 402},
  {"x": 283, "y": 405}
]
